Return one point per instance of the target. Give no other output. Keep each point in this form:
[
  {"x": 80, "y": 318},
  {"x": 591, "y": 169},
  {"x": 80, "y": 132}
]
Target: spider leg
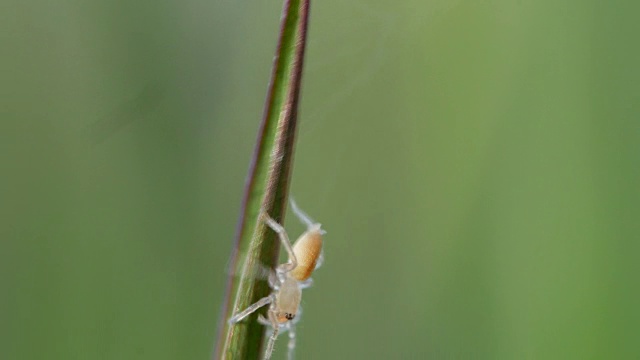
[
  {"x": 274, "y": 281},
  {"x": 282, "y": 235},
  {"x": 241, "y": 315},
  {"x": 320, "y": 260},
  {"x": 263, "y": 320},
  {"x": 301, "y": 215},
  {"x": 305, "y": 284},
  {"x": 274, "y": 334},
  {"x": 291, "y": 346}
]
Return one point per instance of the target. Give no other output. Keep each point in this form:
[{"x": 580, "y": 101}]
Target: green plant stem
[{"x": 266, "y": 189}]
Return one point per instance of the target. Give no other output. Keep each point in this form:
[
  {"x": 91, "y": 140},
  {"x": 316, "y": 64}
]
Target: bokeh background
[{"x": 476, "y": 165}]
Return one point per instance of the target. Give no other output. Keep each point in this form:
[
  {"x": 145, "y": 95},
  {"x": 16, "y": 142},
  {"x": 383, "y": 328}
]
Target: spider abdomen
[{"x": 307, "y": 250}]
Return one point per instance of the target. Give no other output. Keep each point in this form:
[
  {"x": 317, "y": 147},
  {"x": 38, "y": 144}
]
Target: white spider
[{"x": 288, "y": 280}]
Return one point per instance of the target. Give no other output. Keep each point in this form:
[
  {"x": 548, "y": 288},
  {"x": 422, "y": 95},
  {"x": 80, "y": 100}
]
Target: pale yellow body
[
  {"x": 288, "y": 280},
  {"x": 307, "y": 250}
]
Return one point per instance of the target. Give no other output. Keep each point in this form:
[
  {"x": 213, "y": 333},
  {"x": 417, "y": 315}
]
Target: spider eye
[{"x": 289, "y": 316}]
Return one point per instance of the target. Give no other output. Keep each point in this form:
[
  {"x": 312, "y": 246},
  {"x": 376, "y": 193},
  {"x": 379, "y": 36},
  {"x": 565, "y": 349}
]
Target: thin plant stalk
[{"x": 266, "y": 189}]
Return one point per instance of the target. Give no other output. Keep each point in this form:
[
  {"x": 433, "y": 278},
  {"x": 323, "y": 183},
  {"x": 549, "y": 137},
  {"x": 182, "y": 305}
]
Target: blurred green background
[{"x": 476, "y": 165}]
